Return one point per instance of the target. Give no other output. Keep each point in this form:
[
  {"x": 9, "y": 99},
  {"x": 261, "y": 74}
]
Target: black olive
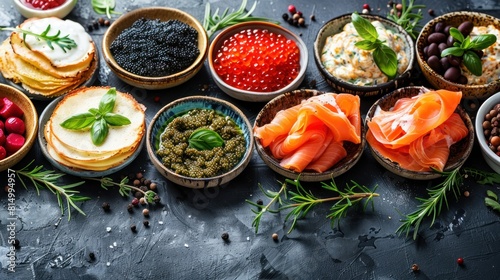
[
  {"x": 436, "y": 38},
  {"x": 454, "y": 60},
  {"x": 450, "y": 40},
  {"x": 435, "y": 64},
  {"x": 452, "y": 74},
  {"x": 433, "y": 50},
  {"x": 447, "y": 30},
  {"x": 462, "y": 80},
  {"x": 466, "y": 28},
  {"x": 445, "y": 63},
  {"x": 442, "y": 47},
  {"x": 439, "y": 27}
]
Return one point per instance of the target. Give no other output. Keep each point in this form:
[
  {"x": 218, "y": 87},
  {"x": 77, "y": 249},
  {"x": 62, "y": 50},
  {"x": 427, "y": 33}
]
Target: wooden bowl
[
  {"x": 459, "y": 152},
  {"x": 437, "y": 80},
  {"x": 335, "y": 26},
  {"x": 163, "y": 14},
  {"x": 30, "y": 119},
  {"x": 184, "y": 105},
  {"x": 285, "y": 101}
]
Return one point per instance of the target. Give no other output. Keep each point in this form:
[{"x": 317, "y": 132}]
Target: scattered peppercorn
[
  {"x": 285, "y": 16},
  {"x": 133, "y": 228},
  {"x": 107, "y": 22},
  {"x": 466, "y": 193},
  {"x": 138, "y": 194},
  {"x": 144, "y": 188},
  {"x": 275, "y": 236},
  {"x": 312, "y": 17},
  {"x": 415, "y": 268},
  {"x": 302, "y": 22},
  {"x": 260, "y": 202},
  {"x": 156, "y": 199},
  {"x": 90, "y": 27},
  {"x": 366, "y": 6},
  {"x": 365, "y": 11},
  {"x": 460, "y": 261},
  {"x": 106, "y": 207},
  {"x": 137, "y": 182},
  {"x": 95, "y": 24},
  {"x": 142, "y": 201},
  {"x": 431, "y": 12},
  {"x": 152, "y": 186},
  {"x": 225, "y": 236},
  {"x": 101, "y": 21},
  {"x": 130, "y": 208},
  {"x": 92, "y": 256},
  {"x": 145, "y": 212},
  {"x": 146, "y": 223},
  {"x": 135, "y": 201},
  {"x": 139, "y": 175},
  {"x": 292, "y": 9}
]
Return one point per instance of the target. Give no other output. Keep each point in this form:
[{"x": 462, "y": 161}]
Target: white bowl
[
  {"x": 59, "y": 12},
  {"x": 489, "y": 156},
  {"x": 253, "y": 96}
]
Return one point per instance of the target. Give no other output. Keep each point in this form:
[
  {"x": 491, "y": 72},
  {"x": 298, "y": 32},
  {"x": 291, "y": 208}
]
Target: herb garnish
[
  {"x": 104, "y": 7},
  {"x": 466, "y": 47},
  {"x": 385, "y": 58},
  {"x": 408, "y": 18},
  {"x": 42, "y": 178},
  {"x": 64, "y": 42},
  {"x": 125, "y": 189},
  {"x": 215, "y": 22},
  {"x": 491, "y": 200},
  {"x": 99, "y": 119},
  {"x": 205, "y": 139},
  {"x": 301, "y": 201}
]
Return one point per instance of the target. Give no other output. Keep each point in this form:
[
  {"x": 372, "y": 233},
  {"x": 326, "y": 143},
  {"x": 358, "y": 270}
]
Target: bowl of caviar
[
  {"x": 472, "y": 69},
  {"x": 44, "y": 8},
  {"x": 362, "y": 69},
  {"x": 488, "y": 131},
  {"x": 257, "y": 61},
  {"x": 200, "y": 141},
  {"x": 155, "y": 47}
]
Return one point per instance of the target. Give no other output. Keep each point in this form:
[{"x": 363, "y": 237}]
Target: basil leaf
[
  {"x": 116, "y": 119},
  {"x": 466, "y": 43},
  {"x": 455, "y": 51},
  {"x": 492, "y": 194},
  {"x": 386, "y": 60},
  {"x": 455, "y": 33},
  {"x": 473, "y": 63},
  {"x": 492, "y": 203},
  {"x": 79, "y": 121},
  {"x": 205, "y": 139},
  {"x": 367, "y": 45},
  {"x": 95, "y": 112},
  {"x": 99, "y": 131},
  {"x": 483, "y": 41},
  {"x": 107, "y": 102},
  {"x": 364, "y": 28}
]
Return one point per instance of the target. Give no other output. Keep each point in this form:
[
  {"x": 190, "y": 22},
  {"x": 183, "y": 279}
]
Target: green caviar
[{"x": 178, "y": 156}]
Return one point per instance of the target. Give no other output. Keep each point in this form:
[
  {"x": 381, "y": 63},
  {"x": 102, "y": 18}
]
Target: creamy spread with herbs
[
  {"x": 347, "y": 62},
  {"x": 490, "y": 59}
]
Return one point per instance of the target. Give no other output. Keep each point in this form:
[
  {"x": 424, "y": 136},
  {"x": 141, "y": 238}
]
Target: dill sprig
[
  {"x": 47, "y": 179},
  {"x": 64, "y": 42},
  {"x": 300, "y": 201},
  {"x": 214, "y": 22},
  {"x": 409, "y": 17},
  {"x": 433, "y": 205},
  {"x": 125, "y": 189}
]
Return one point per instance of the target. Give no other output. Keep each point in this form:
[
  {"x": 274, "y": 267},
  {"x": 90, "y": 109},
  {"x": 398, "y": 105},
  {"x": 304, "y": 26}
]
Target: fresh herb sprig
[
  {"x": 300, "y": 201},
  {"x": 104, "y": 7},
  {"x": 98, "y": 119},
  {"x": 432, "y": 205},
  {"x": 63, "y": 42},
  {"x": 385, "y": 58},
  {"x": 205, "y": 139},
  {"x": 491, "y": 200},
  {"x": 408, "y": 18},
  {"x": 214, "y": 22},
  {"x": 48, "y": 179},
  {"x": 125, "y": 189},
  {"x": 466, "y": 48}
]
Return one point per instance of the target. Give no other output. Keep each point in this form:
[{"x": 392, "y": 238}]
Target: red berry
[
  {"x": 135, "y": 201},
  {"x": 15, "y": 125},
  {"x": 292, "y": 9},
  {"x": 3, "y": 153},
  {"x": 14, "y": 142},
  {"x": 3, "y": 137},
  {"x": 2, "y": 125},
  {"x": 366, "y": 6},
  {"x": 460, "y": 261}
]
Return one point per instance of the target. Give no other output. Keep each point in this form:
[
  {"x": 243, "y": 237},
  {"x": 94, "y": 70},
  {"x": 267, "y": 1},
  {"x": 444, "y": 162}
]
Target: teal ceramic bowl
[{"x": 184, "y": 105}]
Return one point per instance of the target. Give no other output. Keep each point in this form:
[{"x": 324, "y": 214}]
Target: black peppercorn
[
  {"x": 133, "y": 228},
  {"x": 144, "y": 188},
  {"x": 259, "y": 201},
  {"x": 137, "y": 182},
  {"x": 225, "y": 236},
  {"x": 95, "y": 24},
  {"x": 106, "y": 207},
  {"x": 130, "y": 208},
  {"x": 285, "y": 16},
  {"x": 92, "y": 256},
  {"x": 147, "y": 182},
  {"x": 138, "y": 194},
  {"x": 156, "y": 199},
  {"x": 107, "y": 22},
  {"x": 101, "y": 21},
  {"x": 146, "y": 223}
]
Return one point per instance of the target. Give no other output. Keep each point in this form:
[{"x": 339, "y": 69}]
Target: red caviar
[
  {"x": 258, "y": 60},
  {"x": 43, "y": 4}
]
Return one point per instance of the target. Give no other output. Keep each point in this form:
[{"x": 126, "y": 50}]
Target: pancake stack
[
  {"x": 74, "y": 148},
  {"x": 46, "y": 71}
]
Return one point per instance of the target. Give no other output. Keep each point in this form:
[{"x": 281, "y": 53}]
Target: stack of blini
[
  {"x": 74, "y": 148},
  {"x": 48, "y": 70}
]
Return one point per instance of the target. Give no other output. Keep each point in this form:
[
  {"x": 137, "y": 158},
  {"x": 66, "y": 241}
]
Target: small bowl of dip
[
  {"x": 441, "y": 72},
  {"x": 200, "y": 141},
  {"x": 43, "y": 9},
  {"x": 349, "y": 69}
]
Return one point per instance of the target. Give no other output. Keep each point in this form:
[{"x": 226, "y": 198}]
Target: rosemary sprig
[
  {"x": 432, "y": 205},
  {"x": 214, "y": 22},
  {"x": 42, "y": 178},
  {"x": 409, "y": 17},
  {"x": 125, "y": 189},
  {"x": 64, "y": 42},
  {"x": 301, "y": 201}
]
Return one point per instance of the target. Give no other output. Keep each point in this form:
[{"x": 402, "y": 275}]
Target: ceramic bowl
[
  {"x": 335, "y": 26},
  {"x": 184, "y": 105},
  {"x": 253, "y": 96},
  {"x": 491, "y": 158},
  {"x": 285, "y": 101},
  {"x": 30, "y": 119},
  {"x": 60, "y": 12},
  {"x": 437, "y": 80},
  {"x": 153, "y": 13},
  {"x": 459, "y": 152}
]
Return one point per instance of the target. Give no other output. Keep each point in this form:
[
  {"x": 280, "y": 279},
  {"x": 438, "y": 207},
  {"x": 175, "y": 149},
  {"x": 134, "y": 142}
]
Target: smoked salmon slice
[
  {"x": 311, "y": 135},
  {"x": 418, "y": 132}
]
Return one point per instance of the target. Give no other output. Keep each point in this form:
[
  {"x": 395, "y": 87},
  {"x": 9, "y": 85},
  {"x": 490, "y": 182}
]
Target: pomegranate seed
[
  {"x": 460, "y": 261},
  {"x": 366, "y": 6},
  {"x": 292, "y": 9}
]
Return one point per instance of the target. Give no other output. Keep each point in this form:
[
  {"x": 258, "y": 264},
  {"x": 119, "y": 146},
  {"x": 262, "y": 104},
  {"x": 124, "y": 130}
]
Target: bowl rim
[
  {"x": 57, "y": 11},
  {"x": 29, "y": 138},
  {"x": 150, "y": 138},
  {"x": 480, "y": 114},
  {"x": 419, "y": 45},
  {"x": 347, "y": 17},
  {"x": 142, "y": 12},
  {"x": 229, "y": 31}
]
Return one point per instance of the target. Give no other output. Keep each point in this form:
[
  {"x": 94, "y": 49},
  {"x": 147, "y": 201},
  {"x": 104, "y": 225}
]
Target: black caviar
[
  {"x": 177, "y": 156},
  {"x": 156, "y": 48}
]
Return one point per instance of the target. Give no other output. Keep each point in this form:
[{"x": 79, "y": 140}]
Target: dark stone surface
[{"x": 184, "y": 240}]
